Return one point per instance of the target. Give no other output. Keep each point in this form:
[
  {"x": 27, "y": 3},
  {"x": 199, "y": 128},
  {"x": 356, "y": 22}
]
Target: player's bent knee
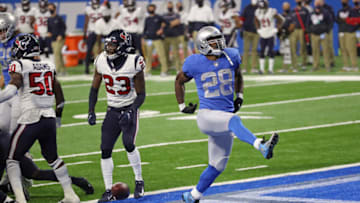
[
  {"x": 106, "y": 153},
  {"x": 129, "y": 147},
  {"x": 220, "y": 165}
]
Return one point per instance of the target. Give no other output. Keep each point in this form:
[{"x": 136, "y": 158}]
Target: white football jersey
[
  {"x": 93, "y": 15},
  {"x": 37, "y": 93},
  {"x": 103, "y": 28},
  {"x": 226, "y": 21},
  {"x": 41, "y": 20},
  {"x": 119, "y": 84},
  {"x": 267, "y": 22},
  {"x": 131, "y": 22},
  {"x": 24, "y": 19}
]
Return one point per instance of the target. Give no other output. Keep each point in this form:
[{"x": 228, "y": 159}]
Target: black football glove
[
  {"x": 237, "y": 104},
  {"x": 190, "y": 108},
  {"x": 126, "y": 117},
  {"x": 92, "y": 118}
]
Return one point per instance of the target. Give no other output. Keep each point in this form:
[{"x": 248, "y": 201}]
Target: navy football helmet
[
  {"x": 95, "y": 4},
  {"x": 263, "y": 4},
  {"x": 25, "y": 46},
  {"x": 118, "y": 42},
  {"x": 25, "y": 5},
  {"x": 43, "y": 4}
]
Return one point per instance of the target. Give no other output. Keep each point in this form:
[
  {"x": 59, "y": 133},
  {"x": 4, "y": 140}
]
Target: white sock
[
  {"x": 257, "y": 143},
  {"x": 262, "y": 65},
  {"x": 271, "y": 64},
  {"x": 62, "y": 175},
  {"x": 135, "y": 162},
  {"x": 107, "y": 167},
  {"x": 14, "y": 173},
  {"x": 195, "y": 193}
]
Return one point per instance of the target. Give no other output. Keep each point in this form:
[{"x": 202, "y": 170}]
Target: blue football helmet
[{"x": 25, "y": 46}]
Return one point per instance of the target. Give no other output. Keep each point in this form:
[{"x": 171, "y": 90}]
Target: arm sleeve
[
  {"x": 8, "y": 92},
  {"x": 187, "y": 67}
]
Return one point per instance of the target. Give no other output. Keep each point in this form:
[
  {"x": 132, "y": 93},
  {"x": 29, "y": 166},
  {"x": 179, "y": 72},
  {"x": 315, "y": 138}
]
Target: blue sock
[
  {"x": 207, "y": 178},
  {"x": 241, "y": 132}
]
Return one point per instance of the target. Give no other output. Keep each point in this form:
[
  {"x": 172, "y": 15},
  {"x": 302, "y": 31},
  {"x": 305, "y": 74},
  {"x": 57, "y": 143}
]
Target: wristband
[
  {"x": 240, "y": 95},
  {"x": 182, "y": 106}
]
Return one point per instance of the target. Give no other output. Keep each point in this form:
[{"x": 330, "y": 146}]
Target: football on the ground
[{"x": 120, "y": 190}]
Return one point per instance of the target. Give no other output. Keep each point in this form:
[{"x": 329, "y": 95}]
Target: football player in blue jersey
[{"x": 217, "y": 74}]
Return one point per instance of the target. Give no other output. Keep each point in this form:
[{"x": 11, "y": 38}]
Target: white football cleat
[{"x": 70, "y": 199}]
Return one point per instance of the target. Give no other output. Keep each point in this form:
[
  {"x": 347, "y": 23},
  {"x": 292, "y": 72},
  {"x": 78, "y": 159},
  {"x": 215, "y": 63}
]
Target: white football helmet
[
  {"x": 206, "y": 38},
  {"x": 7, "y": 26}
]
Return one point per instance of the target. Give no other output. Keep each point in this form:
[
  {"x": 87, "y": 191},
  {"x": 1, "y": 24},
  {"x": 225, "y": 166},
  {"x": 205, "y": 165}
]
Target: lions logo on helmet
[
  {"x": 210, "y": 41},
  {"x": 118, "y": 42},
  {"x": 7, "y": 26},
  {"x": 25, "y": 46}
]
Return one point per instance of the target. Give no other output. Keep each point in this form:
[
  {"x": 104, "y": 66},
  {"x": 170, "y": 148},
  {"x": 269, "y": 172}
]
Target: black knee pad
[
  {"x": 129, "y": 147},
  {"x": 106, "y": 153},
  {"x": 271, "y": 54}
]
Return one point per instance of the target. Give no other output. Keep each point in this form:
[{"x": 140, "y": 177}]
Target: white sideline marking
[
  {"x": 79, "y": 163},
  {"x": 193, "y": 117},
  {"x": 77, "y": 85},
  {"x": 251, "y": 168},
  {"x": 245, "y": 106},
  {"x": 254, "y": 179},
  {"x": 192, "y": 166},
  {"x": 187, "y": 91},
  {"x": 129, "y": 165},
  {"x": 205, "y": 140}
]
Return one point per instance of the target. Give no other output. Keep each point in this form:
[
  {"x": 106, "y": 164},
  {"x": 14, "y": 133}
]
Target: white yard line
[
  {"x": 129, "y": 165},
  {"x": 205, "y": 140},
  {"x": 246, "y": 78},
  {"x": 79, "y": 163},
  {"x": 173, "y": 93},
  {"x": 251, "y": 168},
  {"x": 77, "y": 85},
  {"x": 192, "y": 166},
  {"x": 253, "y": 179},
  {"x": 302, "y": 100},
  {"x": 334, "y": 96}
]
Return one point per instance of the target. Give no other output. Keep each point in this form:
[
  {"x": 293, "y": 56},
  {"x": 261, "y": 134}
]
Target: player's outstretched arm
[
  {"x": 60, "y": 101},
  {"x": 239, "y": 90},
  {"x": 180, "y": 81},
  {"x": 93, "y": 97},
  {"x": 10, "y": 90}
]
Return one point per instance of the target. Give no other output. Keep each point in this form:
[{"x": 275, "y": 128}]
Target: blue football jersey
[
  {"x": 214, "y": 79},
  {"x": 5, "y": 58}
]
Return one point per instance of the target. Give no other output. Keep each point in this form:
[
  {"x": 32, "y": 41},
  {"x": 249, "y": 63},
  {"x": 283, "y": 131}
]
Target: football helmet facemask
[
  {"x": 25, "y": 46},
  {"x": 210, "y": 41},
  {"x": 7, "y": 26}
]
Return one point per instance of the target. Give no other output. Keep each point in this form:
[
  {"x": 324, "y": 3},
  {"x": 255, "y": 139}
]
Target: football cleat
[
  {"x": 139, "y": 189},
  {"x": 188, "y": 198},
  {"x": 267, "y": 147},
  {"x": 107, "y": 196},
  {"x": 70, "y": 199},
  {"x": 84, "y": 185}
]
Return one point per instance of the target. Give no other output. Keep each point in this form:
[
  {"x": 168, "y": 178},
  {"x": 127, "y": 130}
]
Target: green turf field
[{"x": 275, "y": 105}]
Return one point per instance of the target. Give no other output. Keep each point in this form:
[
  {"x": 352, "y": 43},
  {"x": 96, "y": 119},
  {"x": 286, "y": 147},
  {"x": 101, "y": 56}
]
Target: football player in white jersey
[
  {"x": 227, "y": 21},
  {"x": 36, "y": 84},
  {"x": 92, "y": 14},
  {"x": 25, "y": 17},
  {"x": 131, "y": 21},
  {"x": 41, "y": 19},
  {"x": 265, "y": 23},
  {"x": 105, "y": 25},
  {"x": 125, "y": 89}
]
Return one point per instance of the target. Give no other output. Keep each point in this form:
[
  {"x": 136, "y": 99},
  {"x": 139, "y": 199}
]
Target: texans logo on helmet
[{"x": 23, "y": 43}]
